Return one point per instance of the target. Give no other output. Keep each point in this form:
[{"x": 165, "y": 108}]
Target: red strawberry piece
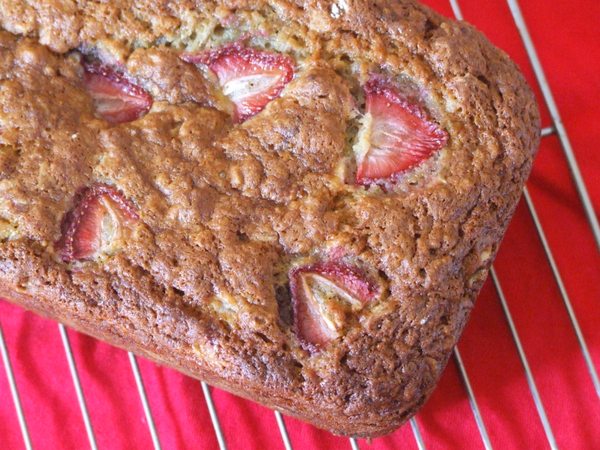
[
  {"x": 95, "y": 222},
  {"x": 116, "y": 99},
  {"x": 396, "y": 136},
  {"x": 250, "y": 78},
  {"x": 322, "y": 295}
]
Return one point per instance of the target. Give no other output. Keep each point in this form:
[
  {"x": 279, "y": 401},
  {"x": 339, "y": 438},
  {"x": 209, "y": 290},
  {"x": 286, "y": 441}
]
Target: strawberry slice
[
  {"x": 95, "y": 224},
  {"x": 396, "y": 135},
  {"x": 116, "y": 99},
  {"x": 323, "y": 294},
  {"x": 250, "y": 78}
]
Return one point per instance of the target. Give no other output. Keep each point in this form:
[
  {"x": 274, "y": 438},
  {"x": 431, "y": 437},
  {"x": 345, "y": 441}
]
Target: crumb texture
[{"x": 204, "y": 216}]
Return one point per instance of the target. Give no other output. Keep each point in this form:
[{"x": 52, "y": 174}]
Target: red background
[{"x": 568, "y": 42}]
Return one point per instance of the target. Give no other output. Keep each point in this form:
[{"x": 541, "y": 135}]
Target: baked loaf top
[{"x": 296, "y": 201}]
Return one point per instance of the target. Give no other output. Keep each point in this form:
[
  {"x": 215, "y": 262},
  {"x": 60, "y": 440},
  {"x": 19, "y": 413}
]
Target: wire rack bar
[
  {"x": 472, "y": 400},
  {"x": 283, "y": 430},
  {"x": 529, "y": 375},
  {"x": 78, "y": 388},
  {"x": 540, "y": 75},
  {"x": 563, "y": 292},
  {"x": 14, "y": 392},
  {"x": 144, "y": 398},
  {"x": 456, "y": 9},
  {"x": 354, "y": 444},
  {"x": 548, "y": 131},
  {"x": 417, "y": 433},
  {"x": 213, "y": 416}
]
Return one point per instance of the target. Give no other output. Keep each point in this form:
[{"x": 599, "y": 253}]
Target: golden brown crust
[{"x": 225, "y": 209}]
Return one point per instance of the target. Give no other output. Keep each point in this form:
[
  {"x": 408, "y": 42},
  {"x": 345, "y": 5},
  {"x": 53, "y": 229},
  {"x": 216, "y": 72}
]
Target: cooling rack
[{"x": 538, "y": 229}]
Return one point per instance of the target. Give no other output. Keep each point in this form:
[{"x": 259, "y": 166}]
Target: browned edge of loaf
[{"x": 170, "y": 359}]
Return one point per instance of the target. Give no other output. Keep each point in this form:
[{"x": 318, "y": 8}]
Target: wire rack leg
[
  {"x": 14, "y": 391},
  {"x": 213, "y": 416},
  {"x": 563, "y": 292},
  {"x": 473, "y": 402},
  {"x": 283, "y": 430},
  {"x": 144, "y": 398},
  {"x": 417, "y": 433},
  {"x": 556, "y": 119},
  {"x": 530, "y": 380},
  {"x": 78, "y": 388}
]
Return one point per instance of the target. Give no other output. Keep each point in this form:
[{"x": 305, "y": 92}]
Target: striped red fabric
[{"x": 568, "y": 43}]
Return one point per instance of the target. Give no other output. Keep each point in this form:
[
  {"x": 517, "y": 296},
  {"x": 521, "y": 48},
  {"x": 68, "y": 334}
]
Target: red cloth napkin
[{"x": 567, "y": 39}]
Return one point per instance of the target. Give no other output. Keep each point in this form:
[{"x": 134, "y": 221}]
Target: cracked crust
[{"x": 225, "y": 210}]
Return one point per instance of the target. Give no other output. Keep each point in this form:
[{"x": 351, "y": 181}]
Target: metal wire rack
[{"x": 556, "y": 128}]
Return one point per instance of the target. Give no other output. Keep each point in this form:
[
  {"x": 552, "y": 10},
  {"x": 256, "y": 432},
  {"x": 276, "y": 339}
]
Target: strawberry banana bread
[{"x": 296, "y": 201}]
